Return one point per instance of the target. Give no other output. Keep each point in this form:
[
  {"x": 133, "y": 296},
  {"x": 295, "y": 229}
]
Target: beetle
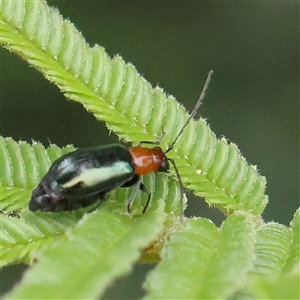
[{"x": 80, "y": 178}]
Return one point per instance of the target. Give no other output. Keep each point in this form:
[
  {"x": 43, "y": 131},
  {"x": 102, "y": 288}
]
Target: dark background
[{"x": 253, "y": 100}]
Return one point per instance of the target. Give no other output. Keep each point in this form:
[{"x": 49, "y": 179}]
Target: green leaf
[
  {"x": 201, "y": 263},
  {"x": 12, "y": 199},
  {"x": 293, "y": 261},
  {"x": 187, "y": 253},
  {"x": 284, "y": 286},
  {"x": 275, "y": 274},
  {"x": 117, "y": 94},
  {"x": 22, "y": 238},
  {"x": 101, "y": 247},
  {"x": 271, "y": 248}
]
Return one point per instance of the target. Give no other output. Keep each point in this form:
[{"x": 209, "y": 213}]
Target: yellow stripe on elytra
[{"x": 94, "y": 176}]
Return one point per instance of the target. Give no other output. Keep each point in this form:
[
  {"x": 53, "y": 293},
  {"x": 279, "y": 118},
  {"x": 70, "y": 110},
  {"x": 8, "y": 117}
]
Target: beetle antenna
[
  {"x": 181, "y": 188},
  {"x": 194, "y": 111}
]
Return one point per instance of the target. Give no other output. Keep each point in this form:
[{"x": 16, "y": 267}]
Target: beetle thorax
[{"x": 147, "y": 160}]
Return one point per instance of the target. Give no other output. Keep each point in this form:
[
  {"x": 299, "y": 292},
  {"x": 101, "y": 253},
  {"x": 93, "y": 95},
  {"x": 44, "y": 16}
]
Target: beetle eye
[{"x": 164, "y": 167}]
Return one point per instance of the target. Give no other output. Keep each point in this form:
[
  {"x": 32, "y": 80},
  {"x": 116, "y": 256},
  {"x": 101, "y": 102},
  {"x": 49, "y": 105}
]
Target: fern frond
[
  {"x": 22, "y": 238},
  {"x": 272, "y": 248},
  {"x": 117, "y": 94},
  {"x": 293, "y": 261},
  {"x": 98, "y": 249},
  {"x": 284, "y": 286},
  {"x": 276, "y": 271},
  {"x": 218, "y": 261}
]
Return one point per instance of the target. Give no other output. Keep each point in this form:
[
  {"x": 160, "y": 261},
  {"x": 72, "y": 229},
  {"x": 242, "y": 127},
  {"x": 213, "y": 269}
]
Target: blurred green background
[{"x": 253, "y": 100}]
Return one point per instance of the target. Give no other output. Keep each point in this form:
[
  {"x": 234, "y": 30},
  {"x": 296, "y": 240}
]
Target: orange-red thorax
[{"x": 147, "y": 160}]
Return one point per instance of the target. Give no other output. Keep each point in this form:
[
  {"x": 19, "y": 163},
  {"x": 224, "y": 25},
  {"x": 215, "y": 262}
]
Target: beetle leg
[
  {"x": 139, "y": 186},
  {"x": 144, "y": 189},
  {"x": 157, "y": 142},
  {"x": 133, "y": 194}
]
